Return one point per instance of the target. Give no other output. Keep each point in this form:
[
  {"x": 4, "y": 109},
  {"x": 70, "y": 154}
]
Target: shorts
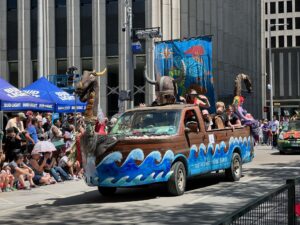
[{"x": 36, "y": 179}]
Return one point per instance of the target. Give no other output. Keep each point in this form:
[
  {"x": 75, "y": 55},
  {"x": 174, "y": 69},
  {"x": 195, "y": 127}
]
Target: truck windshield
[
  {"x": 293, "y": 125},
  {"x": 148, "y": 122}
]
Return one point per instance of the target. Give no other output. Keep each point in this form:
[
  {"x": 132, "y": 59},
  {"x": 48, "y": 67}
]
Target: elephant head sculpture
[{"x": 166, "y": 86}]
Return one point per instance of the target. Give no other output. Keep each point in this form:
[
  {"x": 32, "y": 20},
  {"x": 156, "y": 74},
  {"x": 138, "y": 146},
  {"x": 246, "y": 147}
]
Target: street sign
[{"x": 136, "y": 47}]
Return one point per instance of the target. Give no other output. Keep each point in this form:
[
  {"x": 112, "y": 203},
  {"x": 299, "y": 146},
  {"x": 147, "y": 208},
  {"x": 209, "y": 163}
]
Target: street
[{"x": 206, "y": 200}]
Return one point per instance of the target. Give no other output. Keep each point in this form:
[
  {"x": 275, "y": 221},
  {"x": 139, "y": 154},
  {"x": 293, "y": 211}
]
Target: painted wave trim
[{"x": 155, "y": 168}]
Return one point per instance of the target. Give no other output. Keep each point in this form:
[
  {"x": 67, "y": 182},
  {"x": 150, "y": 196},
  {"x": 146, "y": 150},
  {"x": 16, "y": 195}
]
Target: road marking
[
  {"x": 52, "y": 193},
  {"x": 6, "y": 201},
  {"x": 272, "y": 168},
  {"x": 249, "y": 179},
  {"x": 199, "y": 199}
]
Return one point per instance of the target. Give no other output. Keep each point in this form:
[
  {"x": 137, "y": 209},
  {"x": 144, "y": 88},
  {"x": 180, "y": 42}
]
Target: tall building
[
  {"x": 284, "y": 17},
  {"x": 87, "y": 34}
]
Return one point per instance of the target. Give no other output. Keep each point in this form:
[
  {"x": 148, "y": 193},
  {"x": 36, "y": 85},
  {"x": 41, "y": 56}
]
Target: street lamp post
[
  {"x": 149, "y": 34},
  {"x": 271, "y": 66}
]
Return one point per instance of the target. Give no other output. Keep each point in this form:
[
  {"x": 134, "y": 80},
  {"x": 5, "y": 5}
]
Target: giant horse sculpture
[
  {"x": 166, "y": 88},
  {"x": 91, "y": 144},
  {"x": 238, "y": 84},
  {"x": 238, "y": 101}
]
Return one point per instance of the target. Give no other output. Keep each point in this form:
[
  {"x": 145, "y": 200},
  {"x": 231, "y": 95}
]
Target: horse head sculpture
[
  {"x": 166, "y": 86},
  {"x": 88, "y": 90}
]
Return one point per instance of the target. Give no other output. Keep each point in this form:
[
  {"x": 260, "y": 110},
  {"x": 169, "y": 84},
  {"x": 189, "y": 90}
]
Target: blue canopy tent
[
  {"x": 12, "y": 99},
  {"x": 63, "y": 101}
]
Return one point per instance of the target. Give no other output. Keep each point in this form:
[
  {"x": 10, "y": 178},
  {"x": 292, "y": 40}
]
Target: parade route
[{"x": 207, "y": 199}]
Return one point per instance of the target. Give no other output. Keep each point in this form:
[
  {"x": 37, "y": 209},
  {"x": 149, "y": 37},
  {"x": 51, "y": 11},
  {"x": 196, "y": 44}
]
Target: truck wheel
[
  {"x": 107, "y": 191},
  {"x": 234, "y": 173},
  {"x": 176, "y": 183}
]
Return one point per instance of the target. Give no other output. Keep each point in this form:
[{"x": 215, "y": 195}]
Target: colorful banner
[{"x": 196, "y": 55}]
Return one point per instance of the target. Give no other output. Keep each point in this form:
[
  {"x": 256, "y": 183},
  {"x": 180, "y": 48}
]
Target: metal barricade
[{"x": 277, "y": 207}]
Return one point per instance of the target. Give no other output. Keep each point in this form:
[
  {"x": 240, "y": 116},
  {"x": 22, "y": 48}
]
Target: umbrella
[{"x": 43, "y": 146}]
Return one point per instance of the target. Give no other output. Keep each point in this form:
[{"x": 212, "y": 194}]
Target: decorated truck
[{"x": 166, "y": 144}]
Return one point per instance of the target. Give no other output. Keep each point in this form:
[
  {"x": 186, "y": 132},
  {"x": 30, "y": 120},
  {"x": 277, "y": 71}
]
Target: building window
[
  {"x": 280, "y": 7},
  {"x": 297, "y": 22},
  {"x": 273, "y": 42},
  {"x": 138, "y": 10},
  {"x": 297, "y": 5},
  {"x": 112, "y": 28},
  {"x": 282, "y": 22},
  {"x": 266, "y": 42},
  {"x": 12, "y": 30},
  {"x": 273, "y": 21},
  {"x": 13, "y": 73},
  {"x": 33, "y": 28},
  {"x": 86, "y": 28},
  {"x": 266, "y": 8},
  {"x": 289, "y": 6},
  {"x": 289, "y": 22},
  {"x": 87, "y": 64},
  {"x": 280, "y": 41},
  {"x": 61, "y": 66},
  {"x": 289, "y": 41},
  {"x": 298, "y": 41},
  {"x": 60, "y": 29},
  {"x": 266, "y": 25},
  {"x": 34, "y": 70},
  {"x": 272, "y": 7}
]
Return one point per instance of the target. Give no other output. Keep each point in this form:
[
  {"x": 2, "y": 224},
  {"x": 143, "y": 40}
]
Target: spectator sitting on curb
[
  {"x": 40, "y": 176},
  {"x": 7, "y": 178},
  {"x": 69, "y": 166},
  {"x": 56, "y": 171},
  {"x": 21, "y": 172}
]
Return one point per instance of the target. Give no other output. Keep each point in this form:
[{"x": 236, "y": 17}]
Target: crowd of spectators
[
  {"x": 269, "y": 130},
  {"x": 22, "y": 168}
]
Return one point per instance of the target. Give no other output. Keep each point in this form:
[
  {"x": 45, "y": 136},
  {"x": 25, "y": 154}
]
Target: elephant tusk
[
  {"x": 153, "y": 82},
  {"x": 100, "y": 73}
]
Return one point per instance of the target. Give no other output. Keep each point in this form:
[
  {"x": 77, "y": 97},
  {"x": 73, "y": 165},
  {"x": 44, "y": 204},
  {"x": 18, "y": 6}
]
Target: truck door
[{"x": 200, "y": 161}]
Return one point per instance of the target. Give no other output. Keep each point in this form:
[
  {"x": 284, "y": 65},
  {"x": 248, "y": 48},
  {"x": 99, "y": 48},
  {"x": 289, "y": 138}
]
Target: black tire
[
  {"x": 234, "y": 173},
  {"x": 107, "y": 191},
  {"x": 281, "y": 152},
  {"x": 177, "y": 182}
]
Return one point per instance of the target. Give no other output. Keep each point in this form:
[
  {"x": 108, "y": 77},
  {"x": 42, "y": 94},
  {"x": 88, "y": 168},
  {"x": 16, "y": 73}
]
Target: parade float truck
[{"x": 166, "y": 144}]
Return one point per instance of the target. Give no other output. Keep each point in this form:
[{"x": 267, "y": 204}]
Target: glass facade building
[{"x": 87, "y": 34}]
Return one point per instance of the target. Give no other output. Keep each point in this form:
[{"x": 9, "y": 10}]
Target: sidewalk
[{"x": 23, "y": 198}]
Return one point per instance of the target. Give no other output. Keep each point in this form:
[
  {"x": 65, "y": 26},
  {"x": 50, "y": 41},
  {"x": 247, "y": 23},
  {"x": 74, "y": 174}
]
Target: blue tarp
[
  {"x": 12, "y": 99},
  {"x": 196, "y": 54},
  {"x": 64, "y": 102}
]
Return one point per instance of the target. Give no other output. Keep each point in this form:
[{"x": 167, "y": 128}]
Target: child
[{"x": 9, "y": 179}]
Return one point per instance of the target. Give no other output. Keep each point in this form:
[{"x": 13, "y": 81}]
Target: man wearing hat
[
  {"x": 207, "y": 120},
  {"x": 200, "y": 100},
  {"x": 16, "y": 122}
]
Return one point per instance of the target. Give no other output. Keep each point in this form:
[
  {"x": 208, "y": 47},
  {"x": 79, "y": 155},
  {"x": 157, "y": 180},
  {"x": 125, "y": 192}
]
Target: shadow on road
[{"x": 153, "y": 205}]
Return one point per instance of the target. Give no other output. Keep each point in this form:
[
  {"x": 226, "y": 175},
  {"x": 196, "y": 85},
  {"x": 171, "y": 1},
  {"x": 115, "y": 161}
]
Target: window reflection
[{"x": 60, "y": 29}]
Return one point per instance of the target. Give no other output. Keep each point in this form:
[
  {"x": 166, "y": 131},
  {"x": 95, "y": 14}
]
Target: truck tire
[
  {"x": 107, "y": 191},
  {"x": 177, "y": 182},
  {"x": 234, "y": 173}
]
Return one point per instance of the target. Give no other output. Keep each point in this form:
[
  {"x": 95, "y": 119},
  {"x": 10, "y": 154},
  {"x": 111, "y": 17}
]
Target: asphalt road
[{"x": 207, "y": 199}]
